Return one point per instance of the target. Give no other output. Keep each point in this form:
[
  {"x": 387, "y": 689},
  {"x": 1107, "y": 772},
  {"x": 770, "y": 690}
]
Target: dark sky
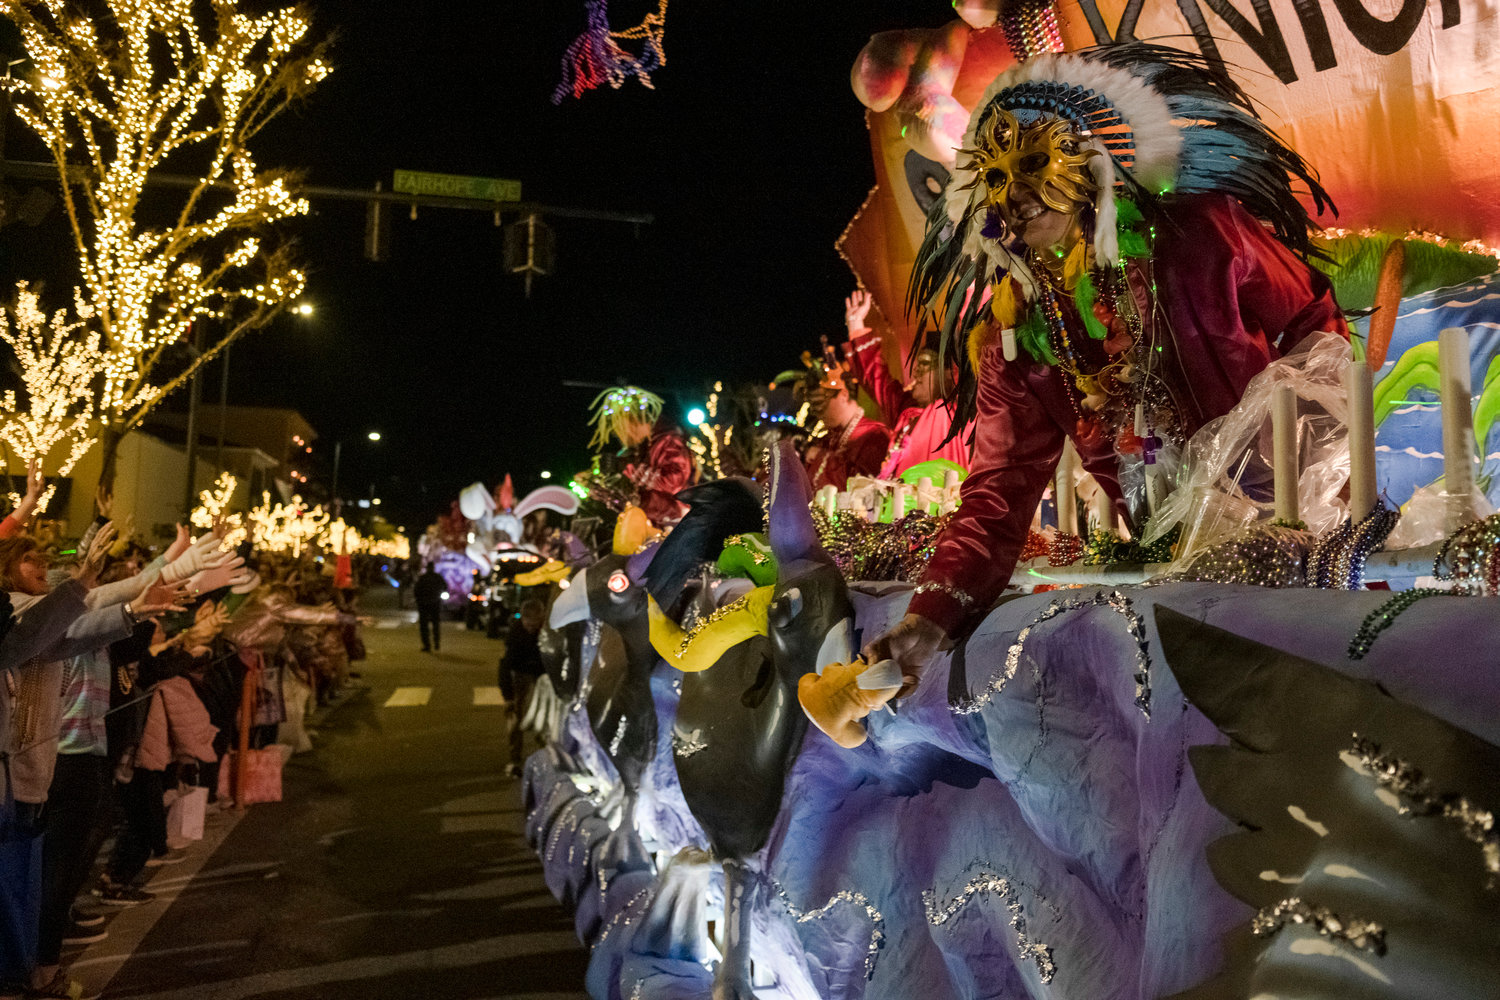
[{"x": 751, "y": 153}]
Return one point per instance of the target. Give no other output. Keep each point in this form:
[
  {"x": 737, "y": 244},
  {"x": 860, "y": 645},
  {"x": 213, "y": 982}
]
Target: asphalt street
[{"x": 395, "y": 867}]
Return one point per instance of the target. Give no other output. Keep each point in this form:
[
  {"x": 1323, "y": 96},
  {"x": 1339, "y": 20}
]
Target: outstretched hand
[
  {"x": 93, "y": 560},
  {"x": 158, "y": 599},
  {"x": 180, "y": 543},
  {"x": 857, "y": 309},
  {"x": 911, "y": 643}
]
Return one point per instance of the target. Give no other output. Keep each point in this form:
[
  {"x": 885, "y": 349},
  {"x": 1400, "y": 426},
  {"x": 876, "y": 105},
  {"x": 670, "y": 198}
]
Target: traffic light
[{"x": 530, "y": 249}]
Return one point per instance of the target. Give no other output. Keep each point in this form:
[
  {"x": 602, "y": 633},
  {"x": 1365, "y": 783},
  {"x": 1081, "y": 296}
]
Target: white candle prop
[
  {"x": 1067, "y": 500},
  {"x": 927, "y": 497},
  {"x": 1284, "y": 450},
  {"x": 1458, "y": 425},
  {"x": 1008, "y": 344},
  {"x": 1359, "y": 388},
  {"x": 1103, "y": 509}
]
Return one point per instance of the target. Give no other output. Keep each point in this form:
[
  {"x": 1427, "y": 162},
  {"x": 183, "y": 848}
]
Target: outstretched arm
[{"x": 868, "y": 363}]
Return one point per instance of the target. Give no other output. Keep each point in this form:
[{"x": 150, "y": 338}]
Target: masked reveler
[
  {"x": 653, "y": 454},
  {"x": 1135, "y": 225}
]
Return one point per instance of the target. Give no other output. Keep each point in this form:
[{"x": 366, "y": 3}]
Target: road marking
[
  {"x": 485, "y": 951},
  {"x": 488, "y": 696},
  {"x": 409, "y": 697}
]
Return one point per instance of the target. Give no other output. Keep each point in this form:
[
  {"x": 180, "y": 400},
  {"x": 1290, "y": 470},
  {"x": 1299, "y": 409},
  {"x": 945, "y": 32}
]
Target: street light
[
  {"x": 303, "y": 308},
  {"x": 546, "y": 475},
  {"x": 373, "y": 435}
]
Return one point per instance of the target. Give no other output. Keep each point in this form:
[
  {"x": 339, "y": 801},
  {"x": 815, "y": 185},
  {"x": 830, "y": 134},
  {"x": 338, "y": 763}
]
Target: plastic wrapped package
[
  {"x": 1424, "y": 518},
  {"x": 1233, "y": 455}
]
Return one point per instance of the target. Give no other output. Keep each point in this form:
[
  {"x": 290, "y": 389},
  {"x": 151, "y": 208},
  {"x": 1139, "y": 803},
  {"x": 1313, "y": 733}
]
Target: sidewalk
[{"x": 396, "y": 866}]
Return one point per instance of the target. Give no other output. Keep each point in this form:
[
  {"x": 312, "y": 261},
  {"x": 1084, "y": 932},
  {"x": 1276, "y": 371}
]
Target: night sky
[{"x": 751, "y": 153}]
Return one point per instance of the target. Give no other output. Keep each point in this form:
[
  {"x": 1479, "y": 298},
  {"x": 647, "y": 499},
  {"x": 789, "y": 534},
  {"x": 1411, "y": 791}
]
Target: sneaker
[
  {"x": 62, "y": 988},
  {"x": 86, "y": 918},
  {"x": 172, "y": 857},
  {"x": 124, "y": 895},
  {"x": 85, "y": 935}
]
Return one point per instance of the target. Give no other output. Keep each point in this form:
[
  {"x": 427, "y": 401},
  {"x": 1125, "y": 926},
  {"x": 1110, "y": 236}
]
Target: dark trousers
[
  {"x": 428, "y": 618},
  {"x": 520, "y": 694},
  {"x": 20, "y": 900},
  {"x": 144, "y": 831},
  {"x": 70, "y": 843}
]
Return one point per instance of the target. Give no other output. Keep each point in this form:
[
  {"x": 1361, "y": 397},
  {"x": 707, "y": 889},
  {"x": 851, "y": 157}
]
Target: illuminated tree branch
[{"x": 120, "y": 89}]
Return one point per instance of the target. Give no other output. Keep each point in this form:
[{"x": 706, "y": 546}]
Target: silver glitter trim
[
  {"x": 686, "y": 747},
  {"x": 844, "y": 896},
  {"x": 1420, "y": 799},
  {"x": 1114, "y": 600},
  {"x": 987, "y": 883},
  {"x": 1364, "y": 935},
  {"x": 636, "y": 994},
  {"x": 614, "y": 744},
  {"x": 623, "y": 916},
  {"x": 962, "y": 597}
]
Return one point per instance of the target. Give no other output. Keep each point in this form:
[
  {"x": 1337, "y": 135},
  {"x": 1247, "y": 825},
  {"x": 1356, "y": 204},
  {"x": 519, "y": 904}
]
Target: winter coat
[
  {"x": 177, "y": 728},
  {"x": 36, "y": 708}
]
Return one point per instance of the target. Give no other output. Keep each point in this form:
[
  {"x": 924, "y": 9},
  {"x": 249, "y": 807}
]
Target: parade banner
[{"x": 1392, "y": 101}]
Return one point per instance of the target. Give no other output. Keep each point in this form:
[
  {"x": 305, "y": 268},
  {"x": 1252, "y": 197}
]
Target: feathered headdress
[
  {"x": 1167, "y": 121},
  {"x": 614, "y": 410}
]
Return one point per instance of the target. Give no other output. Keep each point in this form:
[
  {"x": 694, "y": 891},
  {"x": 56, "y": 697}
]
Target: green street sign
[{"x": 455, "y": 186}]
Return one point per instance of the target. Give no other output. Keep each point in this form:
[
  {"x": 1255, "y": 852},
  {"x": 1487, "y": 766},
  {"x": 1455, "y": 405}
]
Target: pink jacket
[{"x": 177, "y": 728}]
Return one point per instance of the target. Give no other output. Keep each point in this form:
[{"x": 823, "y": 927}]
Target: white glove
[
  {"x": 201, "y": 555},
  {"x": 245, "y": 581}
]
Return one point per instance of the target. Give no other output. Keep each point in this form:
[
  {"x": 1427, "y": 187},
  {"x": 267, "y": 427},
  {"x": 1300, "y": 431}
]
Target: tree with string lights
[
  {"x": 59, "y": 365},
  {"x": 121, "y": 92}
]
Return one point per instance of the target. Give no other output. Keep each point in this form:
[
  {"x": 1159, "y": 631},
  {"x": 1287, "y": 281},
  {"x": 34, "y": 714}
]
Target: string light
[
  {"x": 58, "y": 363},
  {"x": 142, "y": 85}
]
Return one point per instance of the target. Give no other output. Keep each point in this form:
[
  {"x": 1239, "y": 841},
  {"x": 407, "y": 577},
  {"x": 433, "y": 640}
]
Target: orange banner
[{"x": 1392, "y": 101}]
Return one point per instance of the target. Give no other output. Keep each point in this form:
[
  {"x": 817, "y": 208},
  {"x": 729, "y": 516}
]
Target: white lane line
[
  {"x": 413, "y": 697},
  {"x": 485, "y": 951},
  {"x": 488, "y": 696}
]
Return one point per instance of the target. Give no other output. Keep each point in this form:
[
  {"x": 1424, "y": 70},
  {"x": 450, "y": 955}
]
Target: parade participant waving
[{"x": 919, "y": 417}]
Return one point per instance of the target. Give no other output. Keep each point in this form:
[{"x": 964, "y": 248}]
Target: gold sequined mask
[{"x": 1047, "y": 156}]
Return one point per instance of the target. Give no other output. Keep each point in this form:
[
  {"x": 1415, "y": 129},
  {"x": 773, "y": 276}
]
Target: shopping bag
[
  {"x": 185, "y": 814},
  {"x": 262, "y": 781}
]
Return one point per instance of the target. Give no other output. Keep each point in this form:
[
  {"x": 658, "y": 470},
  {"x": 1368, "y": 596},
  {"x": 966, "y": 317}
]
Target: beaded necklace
[{"x": 845, "y": 433}]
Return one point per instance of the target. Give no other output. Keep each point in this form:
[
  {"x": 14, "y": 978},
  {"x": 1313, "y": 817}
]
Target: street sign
[{"x": 455, "y": 186}]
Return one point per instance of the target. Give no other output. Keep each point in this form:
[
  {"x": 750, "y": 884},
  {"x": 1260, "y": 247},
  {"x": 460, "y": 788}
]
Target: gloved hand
[
  {"x": 201, "y": 555},
  {"x": 224, "y": 575}
]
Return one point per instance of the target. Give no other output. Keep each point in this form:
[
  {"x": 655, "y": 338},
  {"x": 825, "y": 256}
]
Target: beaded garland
[
  {"x": 896, "y": 551},
  {"x": 1066, "y": 549},
  {"x": 1270, "y": 555},
  {"x": 1030, "y": 28},
  {"x": 1384, "y": 617},
  {"x": 1337, "y": 561},
  {"x": 1106, "y": 547},
  {"x": 1470, "y": 558}
]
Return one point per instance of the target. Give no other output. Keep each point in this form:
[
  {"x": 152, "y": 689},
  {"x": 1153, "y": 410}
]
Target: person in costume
[
  {"x": 920, "y": 419},
  {"x": 851, "y": 444},
  {"x": 653, "y": 454},
  {"x": 1135, "y": 225}
]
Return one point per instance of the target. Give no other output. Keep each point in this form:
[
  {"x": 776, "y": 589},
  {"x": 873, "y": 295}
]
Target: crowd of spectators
[{"x": 128, "y": 679}]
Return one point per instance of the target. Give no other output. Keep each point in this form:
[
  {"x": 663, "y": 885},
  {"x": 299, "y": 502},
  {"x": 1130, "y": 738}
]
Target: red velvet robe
[{"x": 1233, "y": 299}]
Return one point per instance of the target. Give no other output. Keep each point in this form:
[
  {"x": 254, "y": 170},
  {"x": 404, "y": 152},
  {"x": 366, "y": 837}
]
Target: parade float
[{"x": 1230, "y": 731}]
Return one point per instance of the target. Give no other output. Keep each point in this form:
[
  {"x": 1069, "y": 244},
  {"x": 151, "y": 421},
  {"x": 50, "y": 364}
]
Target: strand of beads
[
  {"x": 1337, "y": 561},
  {"x": 1031, "y": 28},
  {"x": 1384, "y": 617},
  {"x": 1470, "y": 558},
  {"x": 1268, "y": 555}
]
